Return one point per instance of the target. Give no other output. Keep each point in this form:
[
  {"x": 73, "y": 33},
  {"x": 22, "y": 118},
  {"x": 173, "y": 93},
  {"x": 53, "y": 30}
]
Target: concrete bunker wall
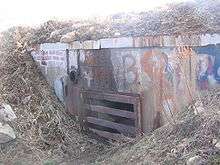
[
  {"x": 160, "y": 75},
  {"x": 166, "y": 77}
]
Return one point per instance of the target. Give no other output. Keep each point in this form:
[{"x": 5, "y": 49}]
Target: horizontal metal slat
[
  {"x": 109, "y": 135},
  {"x": 119, "y": 127},
  {"x": 111, "y": 97},
  {"x": 111, "y": 111}
]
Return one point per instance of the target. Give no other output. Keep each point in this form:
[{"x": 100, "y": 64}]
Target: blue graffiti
[{"x": 208, "y": 66}]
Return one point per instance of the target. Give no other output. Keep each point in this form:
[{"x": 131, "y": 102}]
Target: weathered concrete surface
[
  {"x": 53, "y": 46},
  {"x": 167, "y": 76},
  {"x": 208, "y": 39},
  {"x": 6, "y": 133},
  {"x": 149, "y": 41},
  {"x": 51, "y": 59},
  {"x": 58, "y": 88},
  {"x": 123, "y": 42}
]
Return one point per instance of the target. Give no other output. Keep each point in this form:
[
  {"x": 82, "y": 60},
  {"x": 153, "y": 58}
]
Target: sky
[{"x": 35, "y": 12}]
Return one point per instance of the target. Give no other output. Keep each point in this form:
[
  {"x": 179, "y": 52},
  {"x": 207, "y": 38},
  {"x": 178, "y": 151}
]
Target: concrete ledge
[
  {"x": 54, "y": 46},
  {"x": 124, "y": 42},
  {"x": 208, "y": 39},
  {"x": 137, "y": 42}
]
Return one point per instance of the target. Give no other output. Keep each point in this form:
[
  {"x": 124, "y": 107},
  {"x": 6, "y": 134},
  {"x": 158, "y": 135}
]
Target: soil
[{"x": 44, "y": 131}]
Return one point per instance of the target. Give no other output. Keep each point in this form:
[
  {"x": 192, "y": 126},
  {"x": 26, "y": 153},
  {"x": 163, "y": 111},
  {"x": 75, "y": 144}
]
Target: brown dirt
[
  {"x": 44, "y": 131},
  {"x": 191, "y": 135}
]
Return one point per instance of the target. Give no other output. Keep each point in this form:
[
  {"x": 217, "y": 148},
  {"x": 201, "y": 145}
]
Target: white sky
[{"x": 33, "y": 12}]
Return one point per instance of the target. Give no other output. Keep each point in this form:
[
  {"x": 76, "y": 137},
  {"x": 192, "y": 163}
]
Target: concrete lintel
[
  {"x": 122, "y": 42},
  {"x": 148, "y": 41},
  {"x": 75, "y": 45},
  {"x": 138, "y": 42},
  {"x": 209, "y": 39},
  {"x": 91, "y": 44},
  {"x": 54, "y": 46}
]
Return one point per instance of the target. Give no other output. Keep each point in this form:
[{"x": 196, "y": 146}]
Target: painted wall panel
[
  {"x": 208, "y": 67},
  {"x": 160, "y": 75},
  {"x": 166, "y": 77}
]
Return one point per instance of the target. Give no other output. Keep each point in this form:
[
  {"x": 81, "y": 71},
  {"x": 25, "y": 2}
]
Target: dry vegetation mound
[
  {"x": 43, "y": 129},
  {"x": 192, "y": 136},
  {"x": 194, "y": 17}
]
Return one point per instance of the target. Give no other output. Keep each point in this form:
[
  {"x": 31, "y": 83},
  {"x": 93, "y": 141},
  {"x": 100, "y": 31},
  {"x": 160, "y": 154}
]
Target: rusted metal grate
[{"x": 112, "y": 115}]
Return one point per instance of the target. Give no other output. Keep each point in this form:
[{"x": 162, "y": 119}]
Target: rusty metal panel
[
  {"x": 110, "y": 111},
  {"x": 160, "y": 74},
  {"x": 110, "y": 96},
  {"x": 97, "y": 70},
  {"x": 72, "y": 98},
  {"x": 157, "y": 74}
]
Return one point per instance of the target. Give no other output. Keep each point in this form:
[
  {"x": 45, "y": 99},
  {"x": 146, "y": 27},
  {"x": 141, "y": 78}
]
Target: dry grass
[
  {"x": 173, "y": 144},
  {"x": 43, "y": 129}
]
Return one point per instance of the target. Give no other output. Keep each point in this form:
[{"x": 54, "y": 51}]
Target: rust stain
[{"x": 153, "y": 63}]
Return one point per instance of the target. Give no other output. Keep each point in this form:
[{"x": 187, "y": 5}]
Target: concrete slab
[{"x": 123, "y": 42}]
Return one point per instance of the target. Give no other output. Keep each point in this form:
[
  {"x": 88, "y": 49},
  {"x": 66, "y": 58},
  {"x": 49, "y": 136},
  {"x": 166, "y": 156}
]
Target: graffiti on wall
[
  {"x": 97, "y": 69},
  {"x": 129, "y": 69},
  {"x": 205, "y": 75},
  {"x": 169, "y": 72},
  {"x": 155, "y": 65},
  {"x": 126, "y": 70},
  {"x": 208, "y": 67},
  {"x": 163, "y": 66},
  {"x": 144, "y": 67}
]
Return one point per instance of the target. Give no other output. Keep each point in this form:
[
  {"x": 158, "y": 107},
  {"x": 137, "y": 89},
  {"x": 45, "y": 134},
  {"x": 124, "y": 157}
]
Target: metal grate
[{"x": 111, "y": 115}]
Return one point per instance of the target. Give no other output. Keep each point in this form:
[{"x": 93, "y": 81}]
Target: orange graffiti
[{"x": 153, "y": 63}]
